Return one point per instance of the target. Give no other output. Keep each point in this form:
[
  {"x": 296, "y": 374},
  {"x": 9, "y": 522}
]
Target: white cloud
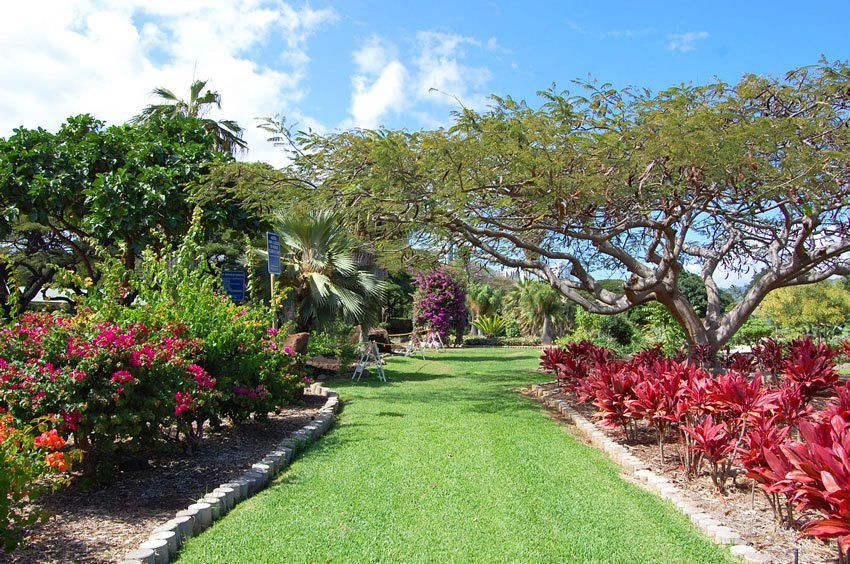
[
  {"x": 104, "y": 57},
  {"x": 371, "y": 102},
  {"x": 384, "y": 85},
  {"x": 684, "y": 42}
]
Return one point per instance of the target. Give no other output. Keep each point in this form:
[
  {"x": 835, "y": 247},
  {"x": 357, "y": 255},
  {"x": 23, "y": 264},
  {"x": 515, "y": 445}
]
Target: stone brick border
[
  {"x": 713, "y": 528},
  {"x": 165, "y": 540}
]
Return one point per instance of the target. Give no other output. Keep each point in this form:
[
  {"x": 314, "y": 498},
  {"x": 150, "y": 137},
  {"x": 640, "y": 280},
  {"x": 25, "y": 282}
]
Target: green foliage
[
  {"x": 537, "y": 306},
  {"x": 491, "y": 326},
  {"x": 30, "y": 463},
  {"x": 333, "y": 341},
  {"x": 227, "y": 133},
  {"x": 814, "y": 307},
  {"x": 753, "y": 331},
  {"x": 320, "y": 269},
  {"x": 483, "y": 299},
  {"x": 118, "y": 188}
]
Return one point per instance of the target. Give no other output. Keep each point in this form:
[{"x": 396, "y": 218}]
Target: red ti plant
[
  {"x": 810, "y": 365},
  {"x": 741, "y": 362},
  {"x": 766, "y": 465},
  {"x": 570, "y": 372},
  {"x": 657, "y": 394},
  {"x": 551, "y": 357},
  {"x": 613, "y": 385},
  {"x": 821, "y": 464},
  {"x": 714, "y": 443}
]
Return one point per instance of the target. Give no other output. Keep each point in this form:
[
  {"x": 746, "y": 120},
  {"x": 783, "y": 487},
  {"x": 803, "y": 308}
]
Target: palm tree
[
  {"x": 320, "y": 268},
  {"x": 228, "y": 134},
  {"x": 482, "y": 299},
  {"x": 537, "y": 305}
]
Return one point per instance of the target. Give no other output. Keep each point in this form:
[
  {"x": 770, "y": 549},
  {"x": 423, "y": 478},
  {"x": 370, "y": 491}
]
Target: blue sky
[{"x": 330, "y": 65}]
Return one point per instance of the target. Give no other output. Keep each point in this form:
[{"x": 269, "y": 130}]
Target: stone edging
[
  {"x": 711, "y": 527},
  {"x": 166, "y": 539}
]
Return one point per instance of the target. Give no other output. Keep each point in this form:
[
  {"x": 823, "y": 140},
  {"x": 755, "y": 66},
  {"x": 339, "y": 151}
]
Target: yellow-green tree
[{"x": 813, "y": 308}]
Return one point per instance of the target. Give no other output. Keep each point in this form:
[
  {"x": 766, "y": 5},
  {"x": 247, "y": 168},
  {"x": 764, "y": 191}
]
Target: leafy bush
[
  {"x": 32, "y": 459},
  {"x": 520, "y": 341},
  {"x": 482, "y": 342},
  {"x": 491, "y": 326}
]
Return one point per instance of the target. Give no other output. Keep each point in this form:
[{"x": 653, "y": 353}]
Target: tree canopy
[
  {"x": 746, "y": 178},
  {"x": 89, "y": 184}
]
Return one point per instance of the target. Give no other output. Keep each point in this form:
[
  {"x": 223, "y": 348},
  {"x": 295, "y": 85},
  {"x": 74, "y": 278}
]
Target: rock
[{"x": 297, "y": 342}]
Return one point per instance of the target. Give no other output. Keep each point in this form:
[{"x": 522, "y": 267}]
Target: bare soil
[
  {"x": 744, "y": 507},
  {"x": 101, "y": 525}
]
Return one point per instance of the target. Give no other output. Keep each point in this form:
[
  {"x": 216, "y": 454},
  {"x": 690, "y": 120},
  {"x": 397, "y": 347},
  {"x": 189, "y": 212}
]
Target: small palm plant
[
  {"x": 320, "y": 269},
  {"x": 491, "y": 326}
]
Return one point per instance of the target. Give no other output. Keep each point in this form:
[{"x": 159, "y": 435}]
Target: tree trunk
[{"x": 546, "y": 334}]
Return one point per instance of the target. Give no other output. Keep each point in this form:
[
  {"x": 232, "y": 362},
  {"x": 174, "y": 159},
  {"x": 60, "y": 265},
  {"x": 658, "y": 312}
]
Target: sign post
[{"x": 273, "y": 248}]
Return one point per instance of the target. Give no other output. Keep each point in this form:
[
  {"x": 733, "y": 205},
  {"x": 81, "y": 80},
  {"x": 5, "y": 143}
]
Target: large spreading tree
[{"x": 751, "y": 178}]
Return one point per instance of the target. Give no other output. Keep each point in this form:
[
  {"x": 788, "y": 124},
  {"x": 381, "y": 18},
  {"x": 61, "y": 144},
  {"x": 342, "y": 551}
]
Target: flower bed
[{"x": 732, "y": 424}]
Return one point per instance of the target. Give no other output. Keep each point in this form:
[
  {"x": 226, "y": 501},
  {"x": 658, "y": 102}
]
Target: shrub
[
  {"x": 439, "y": 303},
  {"x": 32, "y": 459},
  {"x": 491, "y": 326}
]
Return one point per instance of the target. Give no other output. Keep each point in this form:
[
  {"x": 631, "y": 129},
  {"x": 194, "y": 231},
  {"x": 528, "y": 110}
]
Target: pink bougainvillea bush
[
  {"x": 798, "y": 456},
  {"x": 134, "y": 383},
  {"x": 439, "y": 303}
]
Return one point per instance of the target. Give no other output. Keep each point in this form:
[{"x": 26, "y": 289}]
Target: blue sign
[
  {"x": 273, "y": 246},
  {"x": 234, "y": 284}
]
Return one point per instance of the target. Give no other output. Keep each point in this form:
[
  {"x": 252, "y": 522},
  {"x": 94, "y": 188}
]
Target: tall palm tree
[
  {"x": 319, "y": 266},
  {"x": 537, "y": 305},
  {"x": 228, "y": 134}
]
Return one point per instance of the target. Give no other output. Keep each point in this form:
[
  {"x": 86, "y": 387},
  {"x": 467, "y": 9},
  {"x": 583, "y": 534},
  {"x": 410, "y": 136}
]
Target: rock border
[
  {"x": 165, "y": 541},
  {"x": 711, "y": 527}
]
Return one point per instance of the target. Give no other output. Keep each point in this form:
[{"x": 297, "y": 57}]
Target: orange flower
[
  {"x": 50, "y": 439},
  {"x": 57, "y": 460}
]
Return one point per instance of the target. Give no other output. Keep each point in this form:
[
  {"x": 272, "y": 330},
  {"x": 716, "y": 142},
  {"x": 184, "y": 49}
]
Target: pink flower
[
  {"x": 289, "y": 351},
  {"x": 121, "y": 377}
]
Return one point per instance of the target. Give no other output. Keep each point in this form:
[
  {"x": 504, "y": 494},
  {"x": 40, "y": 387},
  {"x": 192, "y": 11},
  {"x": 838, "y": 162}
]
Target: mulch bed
[
  {"x": 103, "y": 524},
  {"x": 744, "y": 509}
]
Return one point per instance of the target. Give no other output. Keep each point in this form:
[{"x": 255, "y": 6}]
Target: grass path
[{"x": 445, "y": 464}]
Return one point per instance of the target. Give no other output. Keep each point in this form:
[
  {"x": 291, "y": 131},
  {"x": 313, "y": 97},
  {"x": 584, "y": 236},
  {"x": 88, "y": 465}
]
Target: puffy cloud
[
  {"x": 383, "y": 85},
  {"x": 684, "y": 42},
  {"x": 104, "y": 57}
]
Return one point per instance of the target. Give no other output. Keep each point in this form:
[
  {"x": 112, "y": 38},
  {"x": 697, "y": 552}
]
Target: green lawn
[{"x": 445, "y": 464}]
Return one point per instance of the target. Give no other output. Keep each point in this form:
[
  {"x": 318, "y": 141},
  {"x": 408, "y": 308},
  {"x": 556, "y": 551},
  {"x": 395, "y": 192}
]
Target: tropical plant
[
  {"x": 320, "y": 270},
  {"x": 491, "y": 326},
  {"x": 228, "y": 134},
  {"x": 537, "y": 305}
]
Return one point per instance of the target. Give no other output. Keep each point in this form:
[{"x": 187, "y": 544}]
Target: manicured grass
[{"x": 445, "y": 464}]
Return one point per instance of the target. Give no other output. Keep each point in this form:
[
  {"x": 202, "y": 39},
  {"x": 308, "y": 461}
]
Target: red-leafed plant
[
  {"x": 768, "y": 353},
  {"x": 740, "y": 362},
  {"x": 810, "y": 365},
  {"x": 612, "y": 386},
  {"x": 767, "y": 466},
  {"x": 551, "y": 357},
  {"x": 821, "y": 464},
  {"x": 716, "y": 445},
  {"x": 657, "y": 393}
]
